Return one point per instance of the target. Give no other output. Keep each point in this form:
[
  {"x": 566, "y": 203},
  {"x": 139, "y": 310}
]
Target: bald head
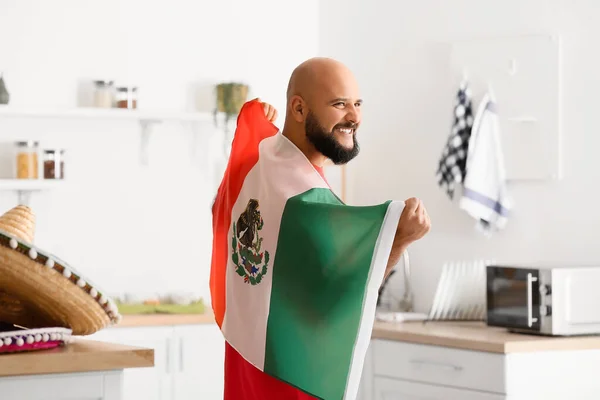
[
  {"x": 323, "y": 110},
  {"x": 317, "y": 75}
]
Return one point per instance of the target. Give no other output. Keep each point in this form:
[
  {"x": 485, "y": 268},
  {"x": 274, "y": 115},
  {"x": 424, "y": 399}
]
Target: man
[
  {"x": 322, "y": 117},
  {"x": 316, "y": 316}
]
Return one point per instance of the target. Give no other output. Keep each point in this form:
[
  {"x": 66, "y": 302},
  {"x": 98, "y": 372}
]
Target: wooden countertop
[
  {"x": 462, "y": 335},
  {"x": 478, "y": 336},
  {"x": 82, "y": 355},
  {"x": 130, "y": 321}
]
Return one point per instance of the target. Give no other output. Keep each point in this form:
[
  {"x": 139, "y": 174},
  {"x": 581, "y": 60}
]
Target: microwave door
[
  {"x": 513, "y": 299},
  {"x": 577, "y": 298}
]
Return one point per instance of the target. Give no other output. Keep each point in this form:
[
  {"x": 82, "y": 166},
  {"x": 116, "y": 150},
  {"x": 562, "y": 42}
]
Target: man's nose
[{"x": 353, "y": 115}]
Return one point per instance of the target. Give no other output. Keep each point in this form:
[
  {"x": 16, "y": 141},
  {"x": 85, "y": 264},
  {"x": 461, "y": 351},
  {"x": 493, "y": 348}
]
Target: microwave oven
[{"x": 545, "y": 300}]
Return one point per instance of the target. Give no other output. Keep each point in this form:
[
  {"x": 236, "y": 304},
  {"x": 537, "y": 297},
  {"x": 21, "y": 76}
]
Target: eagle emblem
[{"x": 250, "y": 261}]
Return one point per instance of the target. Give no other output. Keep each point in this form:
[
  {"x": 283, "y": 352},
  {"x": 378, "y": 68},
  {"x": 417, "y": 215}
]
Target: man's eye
[{"x": 340, "y": 104}]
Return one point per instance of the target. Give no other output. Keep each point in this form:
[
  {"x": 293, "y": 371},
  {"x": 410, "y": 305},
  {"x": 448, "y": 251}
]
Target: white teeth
[{"x": 345, "y": 130}]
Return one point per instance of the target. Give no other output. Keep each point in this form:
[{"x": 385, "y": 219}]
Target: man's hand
[
  {"x": 270, "y": 111},
  {"x": 414, "y": 223}
]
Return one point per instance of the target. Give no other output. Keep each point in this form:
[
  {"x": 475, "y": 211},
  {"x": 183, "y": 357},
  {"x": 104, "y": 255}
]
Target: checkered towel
[{"x": 452, "y": 165}]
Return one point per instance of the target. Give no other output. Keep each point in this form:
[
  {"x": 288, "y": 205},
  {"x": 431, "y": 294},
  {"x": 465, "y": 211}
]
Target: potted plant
[{"x": 230, "y": 97}]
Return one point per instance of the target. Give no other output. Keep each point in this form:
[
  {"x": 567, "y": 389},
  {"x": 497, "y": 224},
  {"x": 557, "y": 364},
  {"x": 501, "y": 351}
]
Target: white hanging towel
[{"x": 484, "y": 194}]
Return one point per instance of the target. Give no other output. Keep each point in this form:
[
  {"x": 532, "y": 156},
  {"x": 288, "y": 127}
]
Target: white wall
[
  {"x": 400, "y": 53},
  {"x": 132, "y": 228}
]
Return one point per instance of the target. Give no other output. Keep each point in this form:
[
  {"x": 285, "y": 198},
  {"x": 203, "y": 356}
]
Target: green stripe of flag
[{"x": 320, "y": 275}]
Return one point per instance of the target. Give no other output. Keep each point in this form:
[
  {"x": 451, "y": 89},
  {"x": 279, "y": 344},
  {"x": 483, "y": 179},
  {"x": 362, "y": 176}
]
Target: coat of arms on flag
[{"x": 249, "y": 259}]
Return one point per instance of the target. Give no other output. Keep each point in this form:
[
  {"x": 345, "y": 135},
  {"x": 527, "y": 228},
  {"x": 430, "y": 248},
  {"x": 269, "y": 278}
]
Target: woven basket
[{"x": 38, "y": 290}]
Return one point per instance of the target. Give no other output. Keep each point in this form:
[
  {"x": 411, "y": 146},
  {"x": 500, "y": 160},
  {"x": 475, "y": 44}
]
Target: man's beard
[{"x": 325, "y": 142}]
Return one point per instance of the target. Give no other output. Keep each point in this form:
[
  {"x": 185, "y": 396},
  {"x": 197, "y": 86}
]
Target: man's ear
[{"x": 298, "y": 108}]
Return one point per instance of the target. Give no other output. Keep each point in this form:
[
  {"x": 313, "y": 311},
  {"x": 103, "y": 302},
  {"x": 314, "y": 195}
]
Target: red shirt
[{"x": 321, "y": 172}]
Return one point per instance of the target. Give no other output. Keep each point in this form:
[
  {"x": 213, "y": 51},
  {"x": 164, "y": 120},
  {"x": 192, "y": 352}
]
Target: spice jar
[
  {"x": 103, "y": 94},
  {"x": 27, "y": 160},
  {"x": 54, "y": 164},
  {"x": 126, "y": 97}
]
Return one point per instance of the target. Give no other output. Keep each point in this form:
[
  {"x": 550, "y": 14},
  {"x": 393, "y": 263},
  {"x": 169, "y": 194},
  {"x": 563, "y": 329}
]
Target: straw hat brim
[
  {"x": 33, "y": 339},
  {"x": 38, "y": 290}
]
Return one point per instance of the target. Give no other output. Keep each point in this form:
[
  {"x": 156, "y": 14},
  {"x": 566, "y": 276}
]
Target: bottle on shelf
[
  {"x": 54, "y": 164},
  {"x": 126, "y": 97},
  {"x": 27, "y": 164},
  {"x": 103, "y": 94}
]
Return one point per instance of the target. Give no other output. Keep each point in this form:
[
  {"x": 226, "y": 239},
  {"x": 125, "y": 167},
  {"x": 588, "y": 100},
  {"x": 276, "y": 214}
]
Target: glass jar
[
  {"x": 54, "y": 164},
  {"x": 103, "y": 94},
  {"x": 126, "y": 97},
  {"x": 27, "y": 159}
]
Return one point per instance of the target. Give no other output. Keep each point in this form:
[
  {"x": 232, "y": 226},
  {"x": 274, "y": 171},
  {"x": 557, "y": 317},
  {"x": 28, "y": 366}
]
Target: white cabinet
[
  {"x": 439, "y": 365},
  {"x": 147, "y": 383},
  {"x": 398, "y": 389},
  {"x": 409, "y": 371},
  {"x": 188, "y": 362},
  {"x": 198, "y": 373},
  {"x": 102, "y": 385},
  {"x": 402, "y": 370}
]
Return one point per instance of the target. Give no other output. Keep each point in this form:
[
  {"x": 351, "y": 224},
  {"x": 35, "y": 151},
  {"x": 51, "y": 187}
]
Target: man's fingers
[
  {"x": 426, "y": 220},
  {"x": 270, "y": 112},
  {"x": 411, "y": 205},
  {"x": 419, "y": 209}
]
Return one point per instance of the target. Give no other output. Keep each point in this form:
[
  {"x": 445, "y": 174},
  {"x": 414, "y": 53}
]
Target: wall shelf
[
  {"x": 103, "y": 113},
  {"x": 29, "y": 184},
  {"x": 24, "y": 187},
  {"x": 145, "y": 118}
]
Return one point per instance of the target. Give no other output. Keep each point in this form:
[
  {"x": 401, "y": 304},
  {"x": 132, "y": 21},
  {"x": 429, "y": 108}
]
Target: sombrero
[{"x": 44, "y": 298}]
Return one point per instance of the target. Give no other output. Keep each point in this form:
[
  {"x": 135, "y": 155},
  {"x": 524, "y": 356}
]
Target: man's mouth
[{"x": 347, "y": 131}]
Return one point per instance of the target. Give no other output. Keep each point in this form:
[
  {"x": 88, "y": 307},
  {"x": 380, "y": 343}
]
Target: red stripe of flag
[
  {"x": 252, "y": 127},
  {"x": 243, "y": 381}
]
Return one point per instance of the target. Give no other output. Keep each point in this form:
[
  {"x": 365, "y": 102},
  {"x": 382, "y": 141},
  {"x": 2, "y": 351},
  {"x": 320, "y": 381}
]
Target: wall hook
[{"x": 512, "y": 69}]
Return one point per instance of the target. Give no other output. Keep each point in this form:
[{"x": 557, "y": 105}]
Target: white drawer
[
  {"x": 89, "y": 385},
  {"x": 439, "y": 365},
  {"x": 397, "y": 389}
]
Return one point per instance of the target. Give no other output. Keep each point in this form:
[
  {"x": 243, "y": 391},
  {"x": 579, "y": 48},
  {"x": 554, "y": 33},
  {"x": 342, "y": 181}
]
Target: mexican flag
[{"x": 295, "y": 272}]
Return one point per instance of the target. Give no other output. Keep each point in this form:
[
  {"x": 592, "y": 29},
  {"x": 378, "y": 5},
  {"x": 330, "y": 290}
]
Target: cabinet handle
[
  {"x": 181, "y": 355},
  {"x": 437, "y": 364},
  {"x": 168, "y": 357},
  {"x": 397, "y": 395},
  {"x": 530, "y": 319}
]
